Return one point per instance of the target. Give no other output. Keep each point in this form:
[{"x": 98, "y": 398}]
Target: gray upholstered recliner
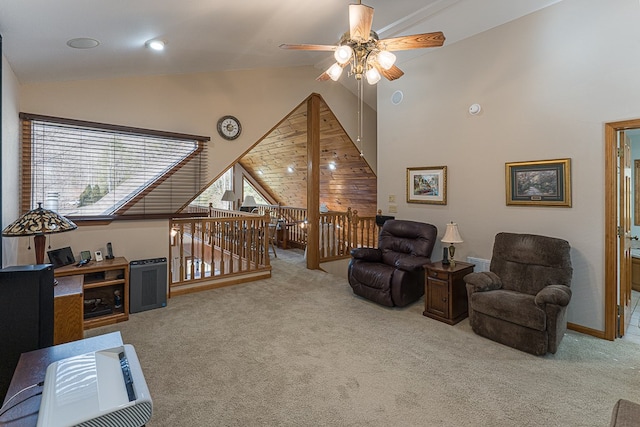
[
  {"x": 393, "y": 273},
  {"x": 522, "y": 301}
]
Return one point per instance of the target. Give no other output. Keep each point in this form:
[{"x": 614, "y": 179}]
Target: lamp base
[
  {"x": 452, "y": 251},
  {"x": 39, "y": 241}
]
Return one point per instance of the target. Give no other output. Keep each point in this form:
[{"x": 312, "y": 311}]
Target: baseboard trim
[
  {"x": 588, "y": 331},
  {"x": 218, "y": 283}
]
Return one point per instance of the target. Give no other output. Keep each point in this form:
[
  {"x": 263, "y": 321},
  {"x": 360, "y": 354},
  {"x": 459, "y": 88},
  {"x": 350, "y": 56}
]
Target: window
[
  {"x": 88, "y": 170},
  {"x": 213, "y": 194},
  {"x": 249, "y": 190}
]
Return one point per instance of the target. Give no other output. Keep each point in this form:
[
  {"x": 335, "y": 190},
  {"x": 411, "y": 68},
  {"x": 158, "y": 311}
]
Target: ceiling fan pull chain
[{"x": 360, "y": 105}]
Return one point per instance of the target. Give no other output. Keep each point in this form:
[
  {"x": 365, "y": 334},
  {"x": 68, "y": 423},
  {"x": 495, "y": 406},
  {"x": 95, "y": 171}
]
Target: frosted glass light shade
[
  {"x": 334, "y": 72},
  {"x": 386, "y": 59},
  {"x": 343, "y": 54},
  {"x": 373, "y": 76}
]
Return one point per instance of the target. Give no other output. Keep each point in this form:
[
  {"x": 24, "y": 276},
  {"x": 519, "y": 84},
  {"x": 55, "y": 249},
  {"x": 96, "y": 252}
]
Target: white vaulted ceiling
[{"x": 210, "y": 35}]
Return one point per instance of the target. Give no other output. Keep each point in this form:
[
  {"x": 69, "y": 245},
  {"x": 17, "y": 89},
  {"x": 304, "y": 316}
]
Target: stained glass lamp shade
[{"x": 38, "y": 222}]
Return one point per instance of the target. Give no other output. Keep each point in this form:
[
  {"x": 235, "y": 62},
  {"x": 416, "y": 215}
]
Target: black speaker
[{"x": 26, "y": 315}]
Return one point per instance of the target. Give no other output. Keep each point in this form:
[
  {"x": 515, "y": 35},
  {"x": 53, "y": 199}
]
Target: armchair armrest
[
  {"x": 412, "y": 263},
  {"x": 367, "y": 254},
  {"x": 483, "y": 281},
  {"x": 554, "y": 294}
]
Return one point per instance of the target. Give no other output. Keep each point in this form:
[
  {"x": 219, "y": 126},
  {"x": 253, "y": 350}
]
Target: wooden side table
[{"x": 445, "y": 293}]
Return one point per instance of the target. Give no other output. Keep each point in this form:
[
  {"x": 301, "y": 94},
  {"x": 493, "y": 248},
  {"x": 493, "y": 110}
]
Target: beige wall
[
  {"x": 547, "y": 83},
  {"x": 189, "y": 104},
  {"x": 131, "y": 239},
  {"x": 10, "y": 170}
]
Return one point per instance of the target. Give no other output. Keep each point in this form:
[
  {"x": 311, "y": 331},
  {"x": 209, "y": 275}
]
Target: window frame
[{"x": 26, "y": 188}]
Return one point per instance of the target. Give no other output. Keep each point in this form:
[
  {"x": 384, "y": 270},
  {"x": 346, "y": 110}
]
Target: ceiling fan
[{"x": 368, "y": 55}]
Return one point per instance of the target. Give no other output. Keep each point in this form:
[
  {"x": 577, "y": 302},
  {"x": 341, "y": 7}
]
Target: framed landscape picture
[
  {"x": 539, "y": 183},
  {"x": 427, "y": 185}
]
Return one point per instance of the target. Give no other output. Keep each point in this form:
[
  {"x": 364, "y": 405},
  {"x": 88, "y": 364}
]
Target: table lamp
[
  {"x": 451, "y": 236},
  {"x": 38, "y": 222},
  {"x": 249, "y": 201},
  {"x": 229, "y": 196}
]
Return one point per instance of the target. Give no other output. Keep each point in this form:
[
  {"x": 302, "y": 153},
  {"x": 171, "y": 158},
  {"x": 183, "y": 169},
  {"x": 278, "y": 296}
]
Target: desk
[
  {"x": 67, "y": 310},
  {"x": 31, "y": 369}
]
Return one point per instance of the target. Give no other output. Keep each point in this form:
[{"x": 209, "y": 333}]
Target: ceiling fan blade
[
  {"x": 322, "y": 47},
  {"x": 323, "y": 77},
  {"x": 392, "y": 73},
  {"x": 360, "y": 19},
  {"x": 415, "y": 41}
]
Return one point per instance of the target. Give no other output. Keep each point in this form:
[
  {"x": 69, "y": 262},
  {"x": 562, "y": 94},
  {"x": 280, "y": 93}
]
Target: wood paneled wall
[{"x": 351, "y": 184}]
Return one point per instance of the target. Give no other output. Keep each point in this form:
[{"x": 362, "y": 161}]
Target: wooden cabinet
[
  {"x": 105, "y": 290},
  {"x": 67, "y": 310},
  {"x": 445, "y": 293}
]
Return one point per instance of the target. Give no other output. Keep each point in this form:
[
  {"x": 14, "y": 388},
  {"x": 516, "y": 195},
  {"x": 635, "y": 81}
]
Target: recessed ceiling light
[
  {"x": 290, "y": 169},
  {"x": 332, "y": 166},
  {"x": 155, "y": 44},
  {"x": 83, "y": 43}
]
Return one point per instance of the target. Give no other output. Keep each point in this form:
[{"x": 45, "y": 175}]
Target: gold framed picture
[
  {"x": 539, "y": 183},
  {"x": 427, "y": 185}
]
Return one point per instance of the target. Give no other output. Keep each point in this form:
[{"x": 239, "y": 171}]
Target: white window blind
[{"x": 93, "y": 170}]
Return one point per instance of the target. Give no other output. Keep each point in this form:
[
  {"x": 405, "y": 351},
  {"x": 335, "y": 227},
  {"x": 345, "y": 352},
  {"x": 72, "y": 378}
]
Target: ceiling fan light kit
[
  {"x": 368, "y": 56},
  {"x": 364, "y": 51}
]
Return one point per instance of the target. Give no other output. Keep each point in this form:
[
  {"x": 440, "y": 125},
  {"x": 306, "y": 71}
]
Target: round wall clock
[{"x": 229, "y": 127}]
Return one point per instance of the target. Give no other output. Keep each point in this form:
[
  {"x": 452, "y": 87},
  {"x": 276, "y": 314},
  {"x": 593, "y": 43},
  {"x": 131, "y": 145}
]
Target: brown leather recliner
[
  {"x": 522, "y": 301},
  {"x": 393, "y": 273}
]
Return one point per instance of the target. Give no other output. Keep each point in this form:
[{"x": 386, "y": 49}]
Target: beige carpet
[{"x": 300, "y": 349}]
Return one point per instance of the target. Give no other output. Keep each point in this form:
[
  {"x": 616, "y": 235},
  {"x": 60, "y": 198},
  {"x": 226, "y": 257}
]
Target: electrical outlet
[
  {"x": 392, "y": 198},
  {"x": 393, "y": 209}
]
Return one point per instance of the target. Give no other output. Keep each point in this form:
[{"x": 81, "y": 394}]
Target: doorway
[{"x": 617, "y": 228}]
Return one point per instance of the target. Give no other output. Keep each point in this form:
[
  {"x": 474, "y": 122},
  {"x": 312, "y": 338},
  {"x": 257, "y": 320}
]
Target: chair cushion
[
  {"x": 373, "y": 274},
  {"x": 511, "y": 306},
  {"x": 625, "y": 414}
]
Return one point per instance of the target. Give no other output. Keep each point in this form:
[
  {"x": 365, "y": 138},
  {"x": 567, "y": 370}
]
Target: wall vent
[{"x": 481, "y": 264}]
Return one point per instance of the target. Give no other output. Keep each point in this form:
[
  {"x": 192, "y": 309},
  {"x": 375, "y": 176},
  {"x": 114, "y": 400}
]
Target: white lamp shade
[
  {"x": 373, "y": 76},
  {"x": 343, "y": 54},
  {"x": 228, "y": 196},
  {"x": 334, "y": 72},
  {"x": 452, "y": 235},
  {"x": 386, "y": 59},
  {"x": 249, "y": 201}
]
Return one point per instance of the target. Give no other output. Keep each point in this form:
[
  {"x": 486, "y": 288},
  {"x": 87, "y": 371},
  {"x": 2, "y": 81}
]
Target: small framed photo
[
  {"x": 539, "y": 183},
  {"x": 427, "y": 185}
]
